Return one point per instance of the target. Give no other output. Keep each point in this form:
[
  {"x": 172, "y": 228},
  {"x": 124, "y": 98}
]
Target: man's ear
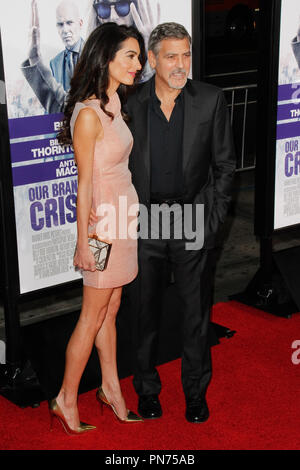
[{"x": 152, "y": 59}]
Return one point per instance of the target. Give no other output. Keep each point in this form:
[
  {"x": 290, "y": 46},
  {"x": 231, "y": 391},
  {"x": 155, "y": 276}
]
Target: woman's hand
[
  {"x": 84, "y": 259},
  {"x": 87, "y": 130},
  {"x": 93, "y": 219}
]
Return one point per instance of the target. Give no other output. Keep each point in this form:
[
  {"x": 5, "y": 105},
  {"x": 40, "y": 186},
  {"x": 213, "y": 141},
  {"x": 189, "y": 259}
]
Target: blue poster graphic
[{"x": 287, "y": 171}]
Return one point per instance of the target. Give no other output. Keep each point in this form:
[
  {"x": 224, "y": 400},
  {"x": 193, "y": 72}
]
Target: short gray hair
[{"x": 166, "y": 31}]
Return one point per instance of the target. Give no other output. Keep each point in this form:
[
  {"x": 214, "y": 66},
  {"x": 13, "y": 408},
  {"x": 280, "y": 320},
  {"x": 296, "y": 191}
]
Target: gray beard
[{"x": 176, "y": 87}]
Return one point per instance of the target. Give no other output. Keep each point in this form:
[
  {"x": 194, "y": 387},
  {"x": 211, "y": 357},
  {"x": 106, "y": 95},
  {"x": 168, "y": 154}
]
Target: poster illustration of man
[
  {"x": 51, "y": 84},
  {"x": 69, "y": 26},
  {"x": 37, "y": 57}
]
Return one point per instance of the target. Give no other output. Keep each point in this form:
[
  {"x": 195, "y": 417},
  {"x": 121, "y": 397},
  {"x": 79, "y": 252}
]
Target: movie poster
[
  {"x": 287, "y": 175},
  {"x": 36, "y": 37}
]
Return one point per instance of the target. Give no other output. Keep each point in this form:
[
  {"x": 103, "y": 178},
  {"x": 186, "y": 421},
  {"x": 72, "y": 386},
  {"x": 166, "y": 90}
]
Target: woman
[{"x": 111, "y": 60}]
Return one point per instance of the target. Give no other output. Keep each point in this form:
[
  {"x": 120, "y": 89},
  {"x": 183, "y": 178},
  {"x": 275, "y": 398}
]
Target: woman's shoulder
[
  {"x": 84, "y": 109},
  {"x": 114, "y": 103},
  {"x": 85, "y": 115},
  {"x": 92, "y": 106},
  {"x": 88, "y": 115}
]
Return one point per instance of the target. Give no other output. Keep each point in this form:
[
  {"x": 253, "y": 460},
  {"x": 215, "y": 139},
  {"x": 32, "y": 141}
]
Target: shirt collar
[
  {"x": 75, "y": 48},
  {"x": 155, "y": 98}
]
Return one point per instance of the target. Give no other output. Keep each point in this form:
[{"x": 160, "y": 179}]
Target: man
[
  {"x": 69, "y": 24},
  {"x": 51, "y": 85},
  {"x": 182, "y": 157}
]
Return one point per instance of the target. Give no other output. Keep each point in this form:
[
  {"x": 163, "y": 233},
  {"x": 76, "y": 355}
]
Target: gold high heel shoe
[
  {"x": 55, "y": 412},
  {"x": 131, "y": 417}
]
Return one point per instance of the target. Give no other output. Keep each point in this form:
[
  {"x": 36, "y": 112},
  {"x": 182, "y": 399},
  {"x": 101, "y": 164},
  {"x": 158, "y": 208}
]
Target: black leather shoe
[
  {"x": 197, "y": 412},
  {"x": 149, "y": 407}
]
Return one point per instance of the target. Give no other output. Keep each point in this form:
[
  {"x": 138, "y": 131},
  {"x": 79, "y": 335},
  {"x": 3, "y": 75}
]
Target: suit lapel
[
  {"x": 190, "y": 129},
  {"x": 143, "y": 126},
  {"x": 81, "y": 46},
  {"x": 60, "y": 67}
]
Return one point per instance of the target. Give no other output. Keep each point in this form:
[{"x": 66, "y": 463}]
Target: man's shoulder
[
  {"x": 142, "y": 90},
  {"x": 200, "y": 88},
  {"x": 58, "y": 58}
]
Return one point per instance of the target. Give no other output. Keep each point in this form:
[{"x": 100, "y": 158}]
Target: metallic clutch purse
[{"x": 100, "y": 250}]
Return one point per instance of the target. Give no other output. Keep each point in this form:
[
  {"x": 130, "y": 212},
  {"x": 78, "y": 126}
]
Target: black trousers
[{"x": 193, "y": 274}]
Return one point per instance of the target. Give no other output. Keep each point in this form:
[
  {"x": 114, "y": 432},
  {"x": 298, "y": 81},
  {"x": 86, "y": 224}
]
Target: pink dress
[{"x": 114, "y": 197}]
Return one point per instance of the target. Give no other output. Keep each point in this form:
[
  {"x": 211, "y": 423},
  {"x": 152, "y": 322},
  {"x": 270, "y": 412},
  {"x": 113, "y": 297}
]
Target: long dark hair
[{"x": 91, "y": 76}]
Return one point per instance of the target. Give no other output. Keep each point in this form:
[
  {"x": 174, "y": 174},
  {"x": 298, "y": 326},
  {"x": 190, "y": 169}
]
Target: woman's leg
[
  {"x": 106, "y": 344},
  {"x": 94, "y": 307}
]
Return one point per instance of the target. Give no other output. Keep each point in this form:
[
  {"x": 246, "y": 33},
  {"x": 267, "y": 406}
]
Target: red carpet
[{"x": 254, "y": 399}]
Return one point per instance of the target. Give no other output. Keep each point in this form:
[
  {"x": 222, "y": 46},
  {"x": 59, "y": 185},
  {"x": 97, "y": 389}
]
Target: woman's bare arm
[{"x": 87, "y": 131}]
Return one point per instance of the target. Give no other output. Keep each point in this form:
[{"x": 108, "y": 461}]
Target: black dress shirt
[{"x": 166, "y": 149}]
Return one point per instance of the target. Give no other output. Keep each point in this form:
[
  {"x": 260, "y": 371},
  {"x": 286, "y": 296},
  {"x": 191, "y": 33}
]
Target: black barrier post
[
  {"x": 17, "y": 380},
  {"x": 9, "y": 243},
  {"x": 269, "y": 28}
]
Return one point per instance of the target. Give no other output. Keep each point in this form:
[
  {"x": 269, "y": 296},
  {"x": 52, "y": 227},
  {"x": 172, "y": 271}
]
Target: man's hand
[
  {"x": 34, "y": 35},
  {"x": 144, "y": 20}
]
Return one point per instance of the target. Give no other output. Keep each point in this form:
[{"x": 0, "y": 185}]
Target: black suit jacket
[{"x": 208, "y": 151}]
